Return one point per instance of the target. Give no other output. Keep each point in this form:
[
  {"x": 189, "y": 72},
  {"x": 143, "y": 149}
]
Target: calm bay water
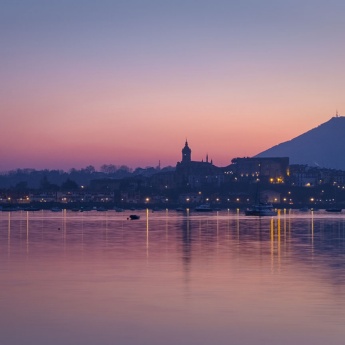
[{"x": 170, "y": 278}]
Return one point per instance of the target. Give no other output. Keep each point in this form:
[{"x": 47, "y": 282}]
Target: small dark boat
[{"x": 133, "y": 217}]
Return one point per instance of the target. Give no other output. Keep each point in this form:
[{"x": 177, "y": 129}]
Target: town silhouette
[{"x": 190, "y": 183}]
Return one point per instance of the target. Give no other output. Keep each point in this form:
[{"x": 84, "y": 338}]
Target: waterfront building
[
  {"x": 273, "y": 170},
  {"x": 195, "y": 174}
]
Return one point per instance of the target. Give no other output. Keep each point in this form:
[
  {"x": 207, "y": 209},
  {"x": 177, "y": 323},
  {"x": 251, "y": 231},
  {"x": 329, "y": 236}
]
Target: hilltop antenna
[{"x": 336, "y": 113}]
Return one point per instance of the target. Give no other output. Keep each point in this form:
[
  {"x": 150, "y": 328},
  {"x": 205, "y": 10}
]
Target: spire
[
  {"x": 186, "y": 153},
  {"x": 207, "y": 158}
]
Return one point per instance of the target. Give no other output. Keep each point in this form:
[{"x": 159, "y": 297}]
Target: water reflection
[
  {"x": 147, "y": 232},
  {"x": 9, "y": 235},
  {"x": 172, "y": 278}
]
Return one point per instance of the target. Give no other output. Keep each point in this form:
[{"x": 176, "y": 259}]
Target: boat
[
  {"x": 261, "y": 210},
  {"x": 203, "y": 208},
  {"x": 56, "y": 209},
  {"x": 31, "y": 209},
  {"x": 101, "y": 209},
  {"x": 133, "y": 217},
  {"x": 333, "y": 210},
  {"x": 304, "y": 209},
  {"x": 10, "y": 209}
]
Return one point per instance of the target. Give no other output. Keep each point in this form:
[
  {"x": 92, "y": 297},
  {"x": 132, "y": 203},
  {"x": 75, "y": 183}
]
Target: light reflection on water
[{"x": 170, "y": 278}]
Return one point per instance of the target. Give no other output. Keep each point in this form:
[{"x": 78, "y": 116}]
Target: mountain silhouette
[{"x": 323, "y": 146}]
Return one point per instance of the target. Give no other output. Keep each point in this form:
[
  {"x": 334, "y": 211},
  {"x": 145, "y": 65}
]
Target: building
[
  {"x": 273, "y": 170},
  {"x": 194, "y": 174}
]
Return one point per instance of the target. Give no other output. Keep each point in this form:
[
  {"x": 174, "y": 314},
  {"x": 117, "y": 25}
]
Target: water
[{"x": 168, "y": 278}]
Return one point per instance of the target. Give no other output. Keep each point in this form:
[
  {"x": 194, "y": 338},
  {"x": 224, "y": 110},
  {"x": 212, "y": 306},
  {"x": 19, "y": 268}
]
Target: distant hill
[{"x": 323, "y": 146}]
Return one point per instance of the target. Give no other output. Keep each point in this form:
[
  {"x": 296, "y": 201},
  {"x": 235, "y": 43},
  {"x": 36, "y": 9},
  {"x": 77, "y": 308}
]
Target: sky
[{"x": 127, "y": 82}]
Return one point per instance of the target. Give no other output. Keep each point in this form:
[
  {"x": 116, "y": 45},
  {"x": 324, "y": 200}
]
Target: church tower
[{"x": 186, "y": 153}]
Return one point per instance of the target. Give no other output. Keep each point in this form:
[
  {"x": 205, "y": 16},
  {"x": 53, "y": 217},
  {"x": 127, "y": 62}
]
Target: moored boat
[
  {"x": 10, "y": 209},
  {"x": 304, "y": 209},
  {"x": 31, "y": 209},
  {"x": 333, "y": 210},
  {"x": 101, "y": 209},
  {"x": 261, "y": 210},
  {"x": 203, "y": 208}
]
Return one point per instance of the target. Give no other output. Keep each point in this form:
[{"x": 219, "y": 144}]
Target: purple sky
[{"x": 126, "y": 82}]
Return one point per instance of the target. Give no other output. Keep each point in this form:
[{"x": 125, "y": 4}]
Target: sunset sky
[{"x": 126, "y": 82}]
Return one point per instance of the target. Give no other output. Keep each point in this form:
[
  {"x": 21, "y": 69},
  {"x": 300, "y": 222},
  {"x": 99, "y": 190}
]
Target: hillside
[{"x": 323, "y": 146}]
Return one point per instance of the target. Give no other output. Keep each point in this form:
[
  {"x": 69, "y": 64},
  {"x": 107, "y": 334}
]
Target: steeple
[{"x": 186, "y": 153}]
